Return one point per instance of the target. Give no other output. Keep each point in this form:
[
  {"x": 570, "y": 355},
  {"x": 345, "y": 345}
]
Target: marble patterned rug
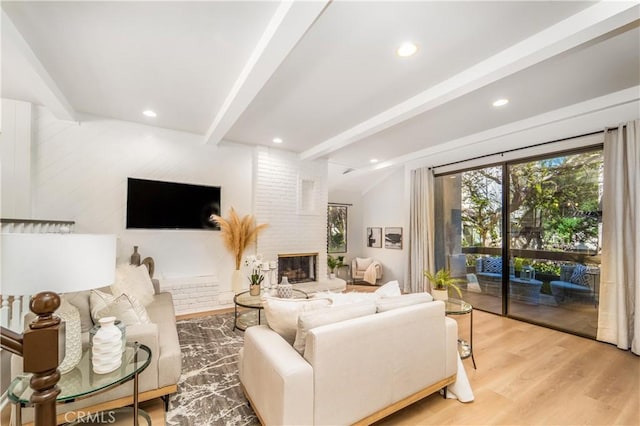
[{"x": 209, "y": 390}]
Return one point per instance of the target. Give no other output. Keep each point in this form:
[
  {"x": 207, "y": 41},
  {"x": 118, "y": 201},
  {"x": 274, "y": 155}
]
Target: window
[{"x": 337, "y": 229}]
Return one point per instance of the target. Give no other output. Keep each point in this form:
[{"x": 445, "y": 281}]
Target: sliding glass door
[
  {"x": 546, "y": 269},
  {"x": 468, "y": 233}
]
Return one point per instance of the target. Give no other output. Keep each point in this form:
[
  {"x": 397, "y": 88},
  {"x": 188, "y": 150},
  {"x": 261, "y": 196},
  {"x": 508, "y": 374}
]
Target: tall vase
[
  {"x": 236, "y": 281},
  {"x": 106, "y": 353},
  {"x": 73, "y": 336},
  {"x": 135, "y": 257}
]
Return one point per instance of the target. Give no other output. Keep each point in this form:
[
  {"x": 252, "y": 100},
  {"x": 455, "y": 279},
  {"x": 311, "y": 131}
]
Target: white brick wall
[
  {"x": 193, "y": 294},
  {"x": 279, "y": 177}
]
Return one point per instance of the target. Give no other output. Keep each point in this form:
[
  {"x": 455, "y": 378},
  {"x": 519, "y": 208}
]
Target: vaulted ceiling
[{"x": 325, "y": 77}]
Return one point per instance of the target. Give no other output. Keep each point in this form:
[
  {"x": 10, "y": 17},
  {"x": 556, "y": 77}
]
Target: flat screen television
[{"x": 154, "y": 204}]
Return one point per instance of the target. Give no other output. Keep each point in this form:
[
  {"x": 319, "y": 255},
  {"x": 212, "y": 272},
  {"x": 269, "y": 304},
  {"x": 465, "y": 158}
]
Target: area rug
[{"x": 209, "y": 390}]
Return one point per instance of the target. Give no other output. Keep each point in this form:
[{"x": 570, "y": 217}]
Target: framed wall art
[
  {"x": 374, "y": 237},
  {"x": 393, "y": 238}
]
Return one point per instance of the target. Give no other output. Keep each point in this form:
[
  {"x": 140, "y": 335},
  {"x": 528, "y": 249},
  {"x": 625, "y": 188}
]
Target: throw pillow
[
  {"x": 493, "y": 265},
  {"x": 282, "y": 314},
  {"x": 390, "y": 303},
  {"x": 363, "y": 263},
  {"x": 134, "y": 281},
  {"x": 579, "y": 276},
  {"x": 124, "y": 307},
  {"x": 390, "y": 289},
  {"x": 329, "y": 315}
]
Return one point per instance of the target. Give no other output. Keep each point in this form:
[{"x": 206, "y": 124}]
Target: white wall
[
  {"x": 297, "y": 222},
  {"x": 15, "y": 145},
  {"x": 79, "y": 172},
  {"x": 384, "y": 206}
]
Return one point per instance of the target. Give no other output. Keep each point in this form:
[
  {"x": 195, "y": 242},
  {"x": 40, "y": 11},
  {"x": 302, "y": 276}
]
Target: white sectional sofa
[{"x": 357, "y": 370}]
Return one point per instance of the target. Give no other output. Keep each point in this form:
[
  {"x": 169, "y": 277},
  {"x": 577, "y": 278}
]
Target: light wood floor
[{"x": 527, "y": 375}]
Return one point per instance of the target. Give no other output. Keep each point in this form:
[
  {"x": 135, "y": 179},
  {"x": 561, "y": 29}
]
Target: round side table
[{"x": 460, "y": 307}]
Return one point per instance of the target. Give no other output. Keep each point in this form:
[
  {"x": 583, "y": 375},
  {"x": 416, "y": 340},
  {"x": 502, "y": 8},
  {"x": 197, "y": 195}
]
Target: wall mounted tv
[{"x": 154, "y": 204}]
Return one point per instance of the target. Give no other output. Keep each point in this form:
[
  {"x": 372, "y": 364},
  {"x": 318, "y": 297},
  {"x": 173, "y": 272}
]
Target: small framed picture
[
  {"x": 374, "y": 237},
  {"x": 393, "y": 238}
]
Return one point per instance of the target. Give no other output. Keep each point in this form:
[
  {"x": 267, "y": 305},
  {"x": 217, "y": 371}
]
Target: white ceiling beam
[
  {"x": 580, "y": 28},
  {"x": 630, "y": 96},
  {"x": 35, "y": 74},
  {"x": 287, "y": 26}
]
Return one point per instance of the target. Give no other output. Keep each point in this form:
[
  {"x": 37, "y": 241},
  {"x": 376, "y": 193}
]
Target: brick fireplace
[{"x": 298, "y": 267}]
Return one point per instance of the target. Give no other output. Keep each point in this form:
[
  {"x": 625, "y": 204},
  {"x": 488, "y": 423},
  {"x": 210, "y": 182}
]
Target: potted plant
[
  {"x": 237, "y": 234},
  {"x": 255, "y": 279},
  {"x": 332, "y": 263},
  {"x": 441, "y": 282}
]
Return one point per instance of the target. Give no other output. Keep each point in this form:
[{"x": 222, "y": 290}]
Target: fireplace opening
[{"x": 297, "y": 267}]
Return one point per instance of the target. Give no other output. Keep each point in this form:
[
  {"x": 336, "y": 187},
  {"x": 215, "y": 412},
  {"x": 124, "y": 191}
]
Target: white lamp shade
[{"x": 32, "y": 263}]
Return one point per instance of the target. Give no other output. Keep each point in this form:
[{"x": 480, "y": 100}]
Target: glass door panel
[
  {"x": 554, "y": 239},
  {"x": 468, "y": 237}
]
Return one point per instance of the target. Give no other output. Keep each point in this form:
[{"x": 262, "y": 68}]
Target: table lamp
[{"x": 42, "y": 265}]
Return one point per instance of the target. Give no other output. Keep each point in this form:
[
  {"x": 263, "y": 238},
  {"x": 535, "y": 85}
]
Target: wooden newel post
[{"x": 42, "y": 349}]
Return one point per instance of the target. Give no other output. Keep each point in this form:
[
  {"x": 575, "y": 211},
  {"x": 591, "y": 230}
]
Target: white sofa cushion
[
  {"x": 282, "y": 314},
  {"x": 134, "y": 281},
  {"x": 390, "y": 289},
  {"x": 124, "y": 307},
  {"x": 347, "y": 298},
  {"x": 362, "y": 263},
  {"x": 390, "y": 303},
  {"x": 329, "y": 315}
]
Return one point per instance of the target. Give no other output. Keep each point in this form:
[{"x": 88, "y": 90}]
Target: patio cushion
[
  {"x": 579, "y": 276},
  {"x": 493, "y": 265}
]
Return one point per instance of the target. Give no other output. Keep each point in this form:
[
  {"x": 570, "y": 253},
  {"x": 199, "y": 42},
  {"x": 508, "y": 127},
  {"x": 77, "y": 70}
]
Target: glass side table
[
  {"x": 255, "y": 316},
  {"x": 460, "y": 307},
  {"x": 82, "y": 382}
]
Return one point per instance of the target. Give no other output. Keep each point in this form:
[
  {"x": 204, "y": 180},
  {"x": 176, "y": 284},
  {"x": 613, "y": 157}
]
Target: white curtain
[
  {"x": 421, "y": 230},
  {"x": 618, "y": 315}
]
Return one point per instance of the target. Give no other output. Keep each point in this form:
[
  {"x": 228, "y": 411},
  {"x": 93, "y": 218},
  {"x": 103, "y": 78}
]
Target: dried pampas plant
[{"x": 237, "y": 233}]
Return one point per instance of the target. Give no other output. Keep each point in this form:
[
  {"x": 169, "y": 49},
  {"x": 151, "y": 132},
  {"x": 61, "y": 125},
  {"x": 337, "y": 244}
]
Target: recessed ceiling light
[
  {"x": 373, "y": 160},
  {"x": 149, "y": 113},
  {"x": 500, "y": 102},
  {"x": 407, "y": 49},
  {"x": 277, "y": 140}
]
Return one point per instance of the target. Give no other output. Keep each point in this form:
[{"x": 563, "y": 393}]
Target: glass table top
[
  {"x": 82, "y": 381},
  {"x": 457, "y": 306},
  {"x": 246, "y": 300}
]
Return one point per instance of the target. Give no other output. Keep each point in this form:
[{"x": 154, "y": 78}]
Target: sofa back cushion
[
  {"x": 396, "y": 302},
  {"x": 282, "y": 314},
  {"x": 329, "y": 315},
  {"x": 134, "y": 281},
  {"x": 80, "y": 299}
]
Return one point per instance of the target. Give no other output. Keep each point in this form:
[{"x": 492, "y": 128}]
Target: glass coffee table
[
  {"x": 460, "y": 307},
  {"x": 82, "y": 382},
  {"x": 254, "y": 314}
]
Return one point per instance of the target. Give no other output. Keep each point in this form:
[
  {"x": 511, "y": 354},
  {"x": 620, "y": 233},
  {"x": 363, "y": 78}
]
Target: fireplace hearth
[{"x": 298, "y": 267}]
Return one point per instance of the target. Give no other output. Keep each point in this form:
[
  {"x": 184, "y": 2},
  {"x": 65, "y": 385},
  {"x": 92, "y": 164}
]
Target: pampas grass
[{"x": 238, "y": 233}]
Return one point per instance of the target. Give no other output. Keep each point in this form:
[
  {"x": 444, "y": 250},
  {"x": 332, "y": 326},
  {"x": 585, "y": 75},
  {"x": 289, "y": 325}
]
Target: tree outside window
[{"x": 337, "y": 229}]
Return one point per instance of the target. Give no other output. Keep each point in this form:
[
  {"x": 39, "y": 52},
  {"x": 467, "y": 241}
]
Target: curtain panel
[
  {"x": 618, "y": 316},
  {"x": 421, "y": 230}
]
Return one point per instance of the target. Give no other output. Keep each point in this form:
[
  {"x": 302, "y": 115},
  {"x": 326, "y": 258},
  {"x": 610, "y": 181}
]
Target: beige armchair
[{"x": 365, "y": 269}]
